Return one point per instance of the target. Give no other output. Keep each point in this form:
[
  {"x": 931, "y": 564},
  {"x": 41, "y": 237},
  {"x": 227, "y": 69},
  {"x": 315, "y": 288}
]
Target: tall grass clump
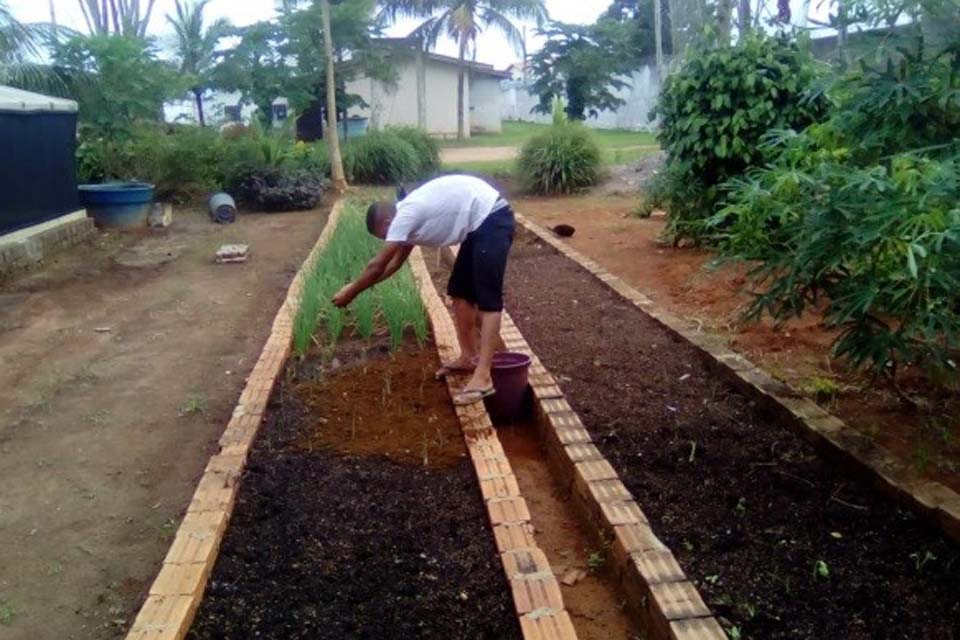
[
  {"x": 390, "y": 308},
  {"x": 426, "y": 147},
  {"x": 395, "y": 154},
  {"x": 564, "y": 159}
]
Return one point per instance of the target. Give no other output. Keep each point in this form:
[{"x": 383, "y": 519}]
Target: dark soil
[
  {"x": 781, "y": 543},
  {"x": 324, "y": 544}
]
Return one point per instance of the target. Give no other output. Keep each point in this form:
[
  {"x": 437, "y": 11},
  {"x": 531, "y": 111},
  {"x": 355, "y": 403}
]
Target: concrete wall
[
  {"x": 485, "y": 104},
  {"x": 640, "y": 96}
]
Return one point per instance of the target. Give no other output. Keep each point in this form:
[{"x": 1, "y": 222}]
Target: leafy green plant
[
  {"x": 196, "y": 403},
  {"x": 7, "y": 612},
  {"x": 714, "y": 111},
  {"x": 921, "y": 560},
  {"x": 821, "y": 569},
  {"x": 822, "y": 388},
  {"x": 564, "y": 159}
]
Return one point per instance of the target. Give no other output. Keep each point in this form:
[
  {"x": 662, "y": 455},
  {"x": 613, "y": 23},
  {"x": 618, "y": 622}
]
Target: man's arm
[{"x": 382, "y": 266}]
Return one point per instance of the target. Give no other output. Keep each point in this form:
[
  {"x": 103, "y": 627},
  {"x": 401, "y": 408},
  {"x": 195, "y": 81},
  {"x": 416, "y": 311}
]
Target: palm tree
[
  {"x": 196, "y": 46},
  {"x": 463, "y": 21},
  {"x": 122, "y": 17},
  {"x": 21, "y": 45}
]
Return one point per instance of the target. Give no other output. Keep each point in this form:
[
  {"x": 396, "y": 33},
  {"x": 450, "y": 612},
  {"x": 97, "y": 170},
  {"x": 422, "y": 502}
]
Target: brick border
[
  {"x": 830, "y": 435},
  {"x": 661, "y": 597},
  {"x": 178, "y": 589},
  {"x": 536, "y": 592}
]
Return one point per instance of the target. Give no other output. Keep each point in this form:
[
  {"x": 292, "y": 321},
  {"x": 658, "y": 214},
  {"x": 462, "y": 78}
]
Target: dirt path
[
  {"x": 122, "y": 363},
  {"x": 477, "y": 154}
]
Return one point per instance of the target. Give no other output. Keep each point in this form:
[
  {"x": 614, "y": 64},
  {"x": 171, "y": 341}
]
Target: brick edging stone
[
  {"x": 535, "y": 589},
  {"x": 657, "y": 591},
  {"x": 832, "y": 436},
  {"x": 175, "y": 594}
]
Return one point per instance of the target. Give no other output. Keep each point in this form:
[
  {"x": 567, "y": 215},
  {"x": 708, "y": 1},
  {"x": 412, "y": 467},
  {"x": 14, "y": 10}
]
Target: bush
[
  {"x": 715, "y": 109},
  {"x": 381, "y": 157},
  {"x": 563, "y": 159},
  {"x": 182, "y": 161},
  {"x": 426, "y": 147},
  {"x": 278, "y": 189},
  {"x": 858, "y": 216}
]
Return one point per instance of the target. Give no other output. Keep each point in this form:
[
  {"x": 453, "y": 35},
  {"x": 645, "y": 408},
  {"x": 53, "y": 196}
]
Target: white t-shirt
[{"x": 443, "y": 211}]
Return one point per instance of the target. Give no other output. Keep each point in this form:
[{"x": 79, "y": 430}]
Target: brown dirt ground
[
  {"x": 103, "y": 434},
  {"x": 686, "y": 283},
  {"x": 344, "y": 539}
]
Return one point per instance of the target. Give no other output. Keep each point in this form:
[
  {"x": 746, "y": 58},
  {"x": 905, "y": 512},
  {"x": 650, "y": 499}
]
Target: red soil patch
[
  {"x": 388, "y": 406},
  {"x": 686, "y": 282}
]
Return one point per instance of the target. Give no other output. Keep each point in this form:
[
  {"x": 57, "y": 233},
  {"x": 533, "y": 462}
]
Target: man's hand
[{"x": 344, "y": 297}]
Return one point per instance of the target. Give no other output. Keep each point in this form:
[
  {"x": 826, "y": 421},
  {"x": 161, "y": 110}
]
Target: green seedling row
[{"x": 393, "y": 306}]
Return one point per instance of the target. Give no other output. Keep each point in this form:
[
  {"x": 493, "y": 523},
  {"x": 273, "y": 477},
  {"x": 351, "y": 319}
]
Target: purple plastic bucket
[{"x": 511, "y": 374}]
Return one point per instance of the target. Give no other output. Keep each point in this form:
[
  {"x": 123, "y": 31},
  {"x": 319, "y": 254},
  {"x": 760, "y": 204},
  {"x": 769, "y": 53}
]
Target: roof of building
[
  {"x": 18, "y": 100},
  {"x": 475, "y": 67}
]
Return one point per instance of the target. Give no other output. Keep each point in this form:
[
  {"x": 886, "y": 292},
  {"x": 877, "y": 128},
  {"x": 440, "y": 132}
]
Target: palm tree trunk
[
  {"x": 198, "y": 95},
  {"x": 461, "y": 81},
  {"x": 724, "y": 10},
  {"x": 333, "y": 135},
  {"x": 657, "y": 35},
  {"x": 743, "y": 17}
]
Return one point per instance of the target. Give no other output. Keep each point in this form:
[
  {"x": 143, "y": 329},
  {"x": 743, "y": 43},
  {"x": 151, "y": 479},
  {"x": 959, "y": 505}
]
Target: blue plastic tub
[{"x": 118, "y": 204}]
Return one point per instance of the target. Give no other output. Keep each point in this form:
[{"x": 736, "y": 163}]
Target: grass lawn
[
  {"x": 516, "y": 133},
  {"x": 611, "y": 157}
]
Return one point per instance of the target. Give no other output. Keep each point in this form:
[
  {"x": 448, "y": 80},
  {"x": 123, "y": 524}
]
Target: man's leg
[
  {"x": 489, "y": 336},
  {"x": 465, "y": 318}
]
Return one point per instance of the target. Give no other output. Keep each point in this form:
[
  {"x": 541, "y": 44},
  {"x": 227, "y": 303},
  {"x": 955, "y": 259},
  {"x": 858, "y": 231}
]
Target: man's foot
[
  {"x": 460, "y": 365},
  {"x": 472, "y": 396}
]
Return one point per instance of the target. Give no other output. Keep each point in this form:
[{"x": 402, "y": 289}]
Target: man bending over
[{"x": 449, "y": 210}]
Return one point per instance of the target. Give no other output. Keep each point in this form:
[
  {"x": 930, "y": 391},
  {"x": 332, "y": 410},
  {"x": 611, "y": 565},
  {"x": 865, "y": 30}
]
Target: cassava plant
[{"x": 859, "y": 216}]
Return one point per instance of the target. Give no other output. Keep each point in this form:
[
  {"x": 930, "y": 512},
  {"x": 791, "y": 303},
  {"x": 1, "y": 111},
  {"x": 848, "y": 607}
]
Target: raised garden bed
[
  {"x": 781, "y": 543},
  {"x": 358, "y": 512}
]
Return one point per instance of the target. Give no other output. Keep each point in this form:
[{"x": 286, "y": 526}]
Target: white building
[
  {"x": 425, "y": 95},
  {"x": 218, "y": 108}
]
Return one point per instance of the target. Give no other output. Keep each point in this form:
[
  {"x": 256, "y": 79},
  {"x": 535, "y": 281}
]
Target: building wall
[
  {"x": 640, "y": 96},
  {"x": 397, "y": 105},
  {"x": 185, "y": 111},
  {"x": 485, "y": 100}
]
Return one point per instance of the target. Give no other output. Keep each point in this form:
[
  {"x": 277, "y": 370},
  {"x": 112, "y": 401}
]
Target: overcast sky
[{"x": 491, "y": 48}]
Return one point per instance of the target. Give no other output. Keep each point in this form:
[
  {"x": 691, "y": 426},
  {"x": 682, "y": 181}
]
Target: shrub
[
  {"x": 380, "y": 157},
  {"x": 715, "y": 109},
  {"x": 278, "y": 189},
  {"x": 182, "y": 161},
  {"x": 563, "y": 159},
  {"x": 426, "y": 147}
]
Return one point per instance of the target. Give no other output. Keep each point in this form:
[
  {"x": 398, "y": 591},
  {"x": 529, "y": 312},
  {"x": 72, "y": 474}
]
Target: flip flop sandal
[
  {"x": 447, "y": 370},
  {"x": 472, "y": 396}
]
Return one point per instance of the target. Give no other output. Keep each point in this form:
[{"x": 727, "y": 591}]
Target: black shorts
[{"x": 478, "y": 273}]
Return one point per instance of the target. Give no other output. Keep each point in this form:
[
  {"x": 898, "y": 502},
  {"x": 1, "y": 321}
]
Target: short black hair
[{"x": 372, "y": 215}]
